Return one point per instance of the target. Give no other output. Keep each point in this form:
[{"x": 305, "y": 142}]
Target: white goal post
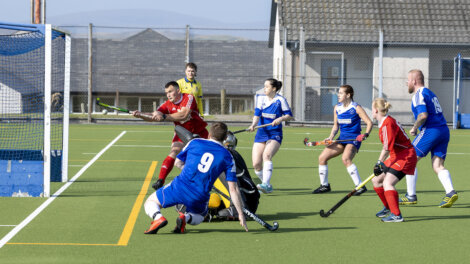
[{"x": 34, "y": 108}]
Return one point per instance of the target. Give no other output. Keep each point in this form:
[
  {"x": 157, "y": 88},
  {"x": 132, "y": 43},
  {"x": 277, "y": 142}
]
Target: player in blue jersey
[
  {"x": 433, "y": 137},
  {"x": 347, "y": 119},
  {"x": 270, "y": 108},
  {"x": 202, "y": 161}
]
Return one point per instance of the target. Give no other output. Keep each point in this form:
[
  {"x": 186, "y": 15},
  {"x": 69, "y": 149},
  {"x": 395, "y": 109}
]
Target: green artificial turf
[{"x": 85, "y": 223}]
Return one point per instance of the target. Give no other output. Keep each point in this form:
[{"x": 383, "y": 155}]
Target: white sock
[
  {"x": 411, "y": 183},
  {"x": 444, "y": 177},
  {"x": 151, "y": 207},
  {"x": 323, "y": 172},
  {"x": 352, "y": 170},
  {"x": 259, "y": 174},
  {"x": 267, "y": 171}
]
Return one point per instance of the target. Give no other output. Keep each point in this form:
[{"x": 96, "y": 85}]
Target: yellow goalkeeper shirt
[{"x": 192, "y": 87}]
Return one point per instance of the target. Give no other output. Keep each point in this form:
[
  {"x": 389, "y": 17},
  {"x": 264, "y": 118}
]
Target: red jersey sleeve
[
  {"x": 387, "y": 135},
  {"x": 189, "y": 102},
  {"x": 164, "y": 108}
]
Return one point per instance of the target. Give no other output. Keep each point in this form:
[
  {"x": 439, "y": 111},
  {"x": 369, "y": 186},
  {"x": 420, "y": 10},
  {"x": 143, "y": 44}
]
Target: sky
[{"x": 229, "y": 12}]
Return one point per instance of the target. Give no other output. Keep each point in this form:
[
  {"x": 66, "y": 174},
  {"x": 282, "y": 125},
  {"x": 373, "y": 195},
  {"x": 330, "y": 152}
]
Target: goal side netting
[{"x": 34, "y": 99}]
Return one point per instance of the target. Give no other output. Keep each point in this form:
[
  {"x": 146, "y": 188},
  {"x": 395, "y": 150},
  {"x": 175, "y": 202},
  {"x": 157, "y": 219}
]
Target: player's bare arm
[
  {"x": 255, "y": 121},
  {"x": 335, "y": 127},
  {"x": 363, "y": 115},
  {"x": 236, "y": 199},
  {"x": 419, "y": 122},
  {"x": 281, "y": 119},
  {"x": 179, "y": 163},
  {"x": 182, "y": 115},
  {"x": 149, "y": 117},
  {"x": 383, "y": 154}
]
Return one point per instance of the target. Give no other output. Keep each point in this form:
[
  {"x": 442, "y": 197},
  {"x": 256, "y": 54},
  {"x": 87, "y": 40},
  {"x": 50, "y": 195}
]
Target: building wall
[{"x": 397, "y": 62}]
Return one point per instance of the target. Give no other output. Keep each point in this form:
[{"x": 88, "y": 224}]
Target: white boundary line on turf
[{"x": 43, "y": 206}]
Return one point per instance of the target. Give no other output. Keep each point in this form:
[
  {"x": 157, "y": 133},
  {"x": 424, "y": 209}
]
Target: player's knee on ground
[{"x": 195, "y": 219}]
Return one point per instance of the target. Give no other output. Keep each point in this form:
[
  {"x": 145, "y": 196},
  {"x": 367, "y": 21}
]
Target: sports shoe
[
  {"x": 156, "y": 225},
  {"x": 408, "y": 199},
  {"x": 158, "y": 184},
  {"x": 449, "y": 200},
  {"x": 265, "y": 188},
  {"x": 383, "y": 213},
  {"x": 322, "y": 189},
  {"x": 360, "y": 191},
  {"x": 180, "y": 227},
  {"x": 391, "y": 218}
]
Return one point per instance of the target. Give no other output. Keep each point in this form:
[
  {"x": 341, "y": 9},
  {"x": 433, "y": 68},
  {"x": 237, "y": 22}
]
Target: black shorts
[{"x": 398, "y": 174}]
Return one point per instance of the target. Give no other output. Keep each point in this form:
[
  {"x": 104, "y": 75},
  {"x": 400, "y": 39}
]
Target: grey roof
[
  {"x": 143, "y": 63},
  {"x": 434, "y": 22}
]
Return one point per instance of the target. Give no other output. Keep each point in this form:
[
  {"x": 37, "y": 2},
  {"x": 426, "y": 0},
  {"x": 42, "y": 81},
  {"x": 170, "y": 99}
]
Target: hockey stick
[
  {"x": 253, "y": 216},
  {"x": 324, "y": 142},
  {"x": 112, "y": 107},
  {"x": 342, "y": 201},
  {"x": 256, "y": 127}
]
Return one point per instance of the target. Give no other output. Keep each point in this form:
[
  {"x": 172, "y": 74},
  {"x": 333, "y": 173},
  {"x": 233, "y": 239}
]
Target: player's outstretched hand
[
  {"x": 328, "y": 141},
  {"x": 243, "y": 221},
  {"x": 136, "y": 113},
  {"x": 276, "y": 122},
  {"x": 362, "y": 137}
]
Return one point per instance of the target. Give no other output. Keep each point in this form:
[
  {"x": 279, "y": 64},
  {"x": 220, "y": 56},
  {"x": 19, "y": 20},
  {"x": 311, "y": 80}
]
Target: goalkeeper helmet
[{"x": 231, "y": 141}]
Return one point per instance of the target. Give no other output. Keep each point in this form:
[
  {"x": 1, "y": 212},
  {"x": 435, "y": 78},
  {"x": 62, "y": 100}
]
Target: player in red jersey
[
  {"x": 400, "y": 162},
  {"x": 182, "y": 110}
]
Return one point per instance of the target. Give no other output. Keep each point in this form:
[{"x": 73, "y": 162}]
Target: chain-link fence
[
  {"x": 130, "y": 66},
  {"x": 315, "y": 70}
]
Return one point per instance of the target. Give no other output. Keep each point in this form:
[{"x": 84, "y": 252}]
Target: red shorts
[
  {"x": 404, "y": 161},
  {"x": 202, "y": 134}
]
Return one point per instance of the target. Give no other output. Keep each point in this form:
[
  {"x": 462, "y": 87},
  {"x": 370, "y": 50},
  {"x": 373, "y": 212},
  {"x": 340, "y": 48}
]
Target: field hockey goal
[{"x": 34, "y": 108}]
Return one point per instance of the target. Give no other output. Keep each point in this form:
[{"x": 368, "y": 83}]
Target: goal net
[{"x": 34, "y": 99}]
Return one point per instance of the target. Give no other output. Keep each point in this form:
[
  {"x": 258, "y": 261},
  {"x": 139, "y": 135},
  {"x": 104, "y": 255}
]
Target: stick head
[
  {"x": 323, "y": 214},
  {"x": 309, "y": 144},
  {"x": 274, "y": 227}
]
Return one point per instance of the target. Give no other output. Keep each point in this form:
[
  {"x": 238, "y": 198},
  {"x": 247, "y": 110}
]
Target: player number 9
[{"x": 206, "y": 162}]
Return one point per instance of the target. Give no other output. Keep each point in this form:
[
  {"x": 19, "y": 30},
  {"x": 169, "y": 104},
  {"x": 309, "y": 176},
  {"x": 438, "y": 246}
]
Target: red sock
[
  {"x": 167, "y": 166},
  {"x": 381, "y": 193},
  {"x": 392, "y": 200}
]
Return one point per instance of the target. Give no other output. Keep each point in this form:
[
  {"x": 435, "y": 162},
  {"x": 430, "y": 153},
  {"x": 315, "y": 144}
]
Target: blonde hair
[{"x": 382, "y": 105}]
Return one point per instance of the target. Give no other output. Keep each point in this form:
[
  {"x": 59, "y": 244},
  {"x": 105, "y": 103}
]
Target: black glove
[{"x": 378, "y": 168}]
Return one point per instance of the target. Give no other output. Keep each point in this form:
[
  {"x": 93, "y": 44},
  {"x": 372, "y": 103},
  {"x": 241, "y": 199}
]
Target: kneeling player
[
  {"x": 202, "y": 161},
  {"x": 400, "y": 162},
  {"x": 221, "y": 208}
]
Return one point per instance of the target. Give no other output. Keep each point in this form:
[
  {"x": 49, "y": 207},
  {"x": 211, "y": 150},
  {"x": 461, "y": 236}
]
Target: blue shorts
[
  {"x": 174, "y": 193},
  {"x": 434, "y": 139},
  {"x": 263, "y": 136},
  {"x": 357, "y": 144}
]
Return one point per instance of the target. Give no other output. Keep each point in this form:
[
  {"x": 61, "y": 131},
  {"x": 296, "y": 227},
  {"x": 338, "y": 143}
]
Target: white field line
[
  {"x": 149, "y": 131},
  {"x": 7, "y": 225},
  {"x": 142, "y": 146},
  {"x": 43, "y": 206}
]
